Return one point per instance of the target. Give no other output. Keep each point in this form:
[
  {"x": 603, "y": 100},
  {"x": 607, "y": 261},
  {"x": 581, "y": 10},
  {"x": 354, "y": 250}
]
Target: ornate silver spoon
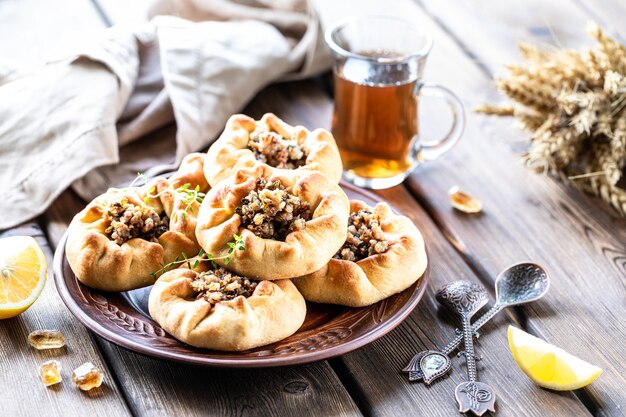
[
  {"x": 466, "y": 298},
  {"x": 518, "y": 284}
]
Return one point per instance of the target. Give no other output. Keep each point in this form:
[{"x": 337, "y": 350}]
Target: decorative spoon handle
[
  {"x": 472, "y": 395},
  {"x": 470, "y": 357},
  {"x": 413, "y": 368},
  {"x": 456, "y": 342}
]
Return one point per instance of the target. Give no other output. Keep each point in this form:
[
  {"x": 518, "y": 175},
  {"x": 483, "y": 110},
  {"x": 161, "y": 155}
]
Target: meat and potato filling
[
  {"x": 127, "y": 221},
  {"x": 365, "y": 237},
  {"x": 277, "y": 151},
  {"x": 272, "y": 211},
  {"x": 221, "y": 285}
]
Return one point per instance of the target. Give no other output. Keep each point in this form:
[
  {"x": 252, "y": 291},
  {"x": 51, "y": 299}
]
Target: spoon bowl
[
  {"x": 521, "y": 283},
  {"x": 463, "y": 297}
]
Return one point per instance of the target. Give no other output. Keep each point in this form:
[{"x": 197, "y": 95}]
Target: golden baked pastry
[
  {"x": 292, "y": 222},
  {"x": 124, "y": 236},
  {"x": 246, "y": 143},
  {"x": 219, "y": 310},
  {"x": 383, "y": 255}
]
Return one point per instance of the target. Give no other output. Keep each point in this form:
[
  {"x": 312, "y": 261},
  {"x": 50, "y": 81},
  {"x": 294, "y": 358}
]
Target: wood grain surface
[{"x": 579, "y": 239}]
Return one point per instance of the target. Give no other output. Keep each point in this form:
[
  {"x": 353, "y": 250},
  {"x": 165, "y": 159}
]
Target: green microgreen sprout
[
  {"x": 236, "y": 244},
  {"x": 140, "y": 177},
  {"x": 189, "y": 196}
]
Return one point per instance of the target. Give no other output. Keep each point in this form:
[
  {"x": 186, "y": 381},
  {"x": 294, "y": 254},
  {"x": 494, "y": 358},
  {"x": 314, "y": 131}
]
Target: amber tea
[
  {"x": 375, "y": 127},
  {"x": 378, "y": 64}
]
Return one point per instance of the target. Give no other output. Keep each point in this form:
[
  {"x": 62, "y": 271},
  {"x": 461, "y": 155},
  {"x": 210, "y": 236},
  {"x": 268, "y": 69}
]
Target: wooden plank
[
  {"x": 372, "y": 373},
  {"x": 156, "y": 388},
  {"x": 527, "y": 216},
  {"x": 23, "y": 394},
  {"x": 488, "y": 31}
]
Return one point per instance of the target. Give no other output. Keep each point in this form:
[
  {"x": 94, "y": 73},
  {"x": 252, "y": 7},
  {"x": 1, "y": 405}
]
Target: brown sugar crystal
[
  {"x": 87, "y": 376},
  {"x": 46, "y": 339},
  {"x": 464, "y": 201},
  {"x": 50, "y": 373}
]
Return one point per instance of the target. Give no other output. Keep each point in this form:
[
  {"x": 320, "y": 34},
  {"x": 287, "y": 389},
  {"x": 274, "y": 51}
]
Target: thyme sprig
[
  {"x": 190, "y": 196},
  {"x": 236, "y": 244}
]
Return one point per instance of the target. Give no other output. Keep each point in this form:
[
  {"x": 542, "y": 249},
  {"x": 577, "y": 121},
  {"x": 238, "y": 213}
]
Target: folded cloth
[{"x": 83, "y": 120}]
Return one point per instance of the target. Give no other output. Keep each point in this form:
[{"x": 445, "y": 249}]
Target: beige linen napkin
[{"x": 84, "y": 119}]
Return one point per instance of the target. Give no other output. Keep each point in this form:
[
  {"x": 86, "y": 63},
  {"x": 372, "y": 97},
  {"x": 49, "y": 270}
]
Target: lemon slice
[
  {"x": 23, "y": 272},
  {"x": 549, "y": 366}
]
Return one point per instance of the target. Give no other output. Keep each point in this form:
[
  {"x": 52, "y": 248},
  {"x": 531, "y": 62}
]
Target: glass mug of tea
[{"x": 378, "y": 64}]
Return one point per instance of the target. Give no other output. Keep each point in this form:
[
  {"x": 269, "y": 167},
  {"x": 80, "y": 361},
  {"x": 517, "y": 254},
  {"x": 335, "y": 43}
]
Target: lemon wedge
[
  {"x": 549, "y": 366},
  {"x": 23, "y": 272}
]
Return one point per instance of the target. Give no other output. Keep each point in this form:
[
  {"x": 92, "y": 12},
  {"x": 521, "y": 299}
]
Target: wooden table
[{"x": 526, "y": 217}]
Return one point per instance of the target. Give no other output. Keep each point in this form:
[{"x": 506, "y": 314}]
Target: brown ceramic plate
[{"x": 328, "y": 330}]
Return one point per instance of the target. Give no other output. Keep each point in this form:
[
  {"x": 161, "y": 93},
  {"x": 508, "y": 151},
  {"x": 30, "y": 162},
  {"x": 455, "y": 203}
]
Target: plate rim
[{"x": 301, "y": 358}]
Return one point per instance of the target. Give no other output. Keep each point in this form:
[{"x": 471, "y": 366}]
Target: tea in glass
[
  {"x": 378, "y": 64},
  {"x": 375, "y": 127}
]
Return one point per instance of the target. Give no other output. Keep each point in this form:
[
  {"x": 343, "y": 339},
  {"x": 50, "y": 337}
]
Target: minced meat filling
[
  {"x": 271, "y": 211},
  {"x": 221, "y": 285},
  {"x": 365, "y": 237},
  {"x": 277, "y": 151},
  {"x": 127, "y": 221}
]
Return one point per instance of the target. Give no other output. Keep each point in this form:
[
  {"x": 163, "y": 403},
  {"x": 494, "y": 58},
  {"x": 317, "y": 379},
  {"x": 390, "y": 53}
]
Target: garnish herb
[
  {"x": 236, "y": 244},
  {"x": 140, "y": 177},
  {"x": 189, "y": 196}
]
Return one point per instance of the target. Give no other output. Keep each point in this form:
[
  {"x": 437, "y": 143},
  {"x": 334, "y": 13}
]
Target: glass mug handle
[{"x": 433, "y": 149}]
